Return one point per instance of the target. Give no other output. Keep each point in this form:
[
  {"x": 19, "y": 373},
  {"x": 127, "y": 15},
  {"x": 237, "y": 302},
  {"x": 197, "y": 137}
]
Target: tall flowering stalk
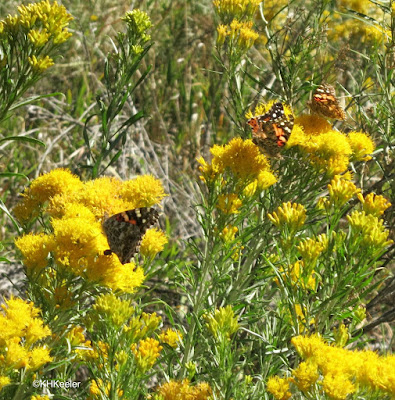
[
  {"x": 28, "y": 42},
  {"x": 235, "y": 36},
  {"x": 120, "y": 80}
]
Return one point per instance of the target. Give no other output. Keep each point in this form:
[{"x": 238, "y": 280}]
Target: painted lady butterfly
[
  {"x": 125, "y": 230},
  {"x": 271, "y": 131},
  {"x": 325, "y": 103}
]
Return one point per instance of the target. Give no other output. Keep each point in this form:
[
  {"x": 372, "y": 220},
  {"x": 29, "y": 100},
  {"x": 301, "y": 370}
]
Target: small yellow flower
[
  {"x": 305, "y": 376},
  {"x": 298, "y": 137},
  {"x": 308, "y": 346},
  {"x": 374, "y": 204},
  {"x": 222, "y": 323},
  {"x": 143, "y": 191},
  {"x": 313, "y": 124},
  {"x": 301, "y": 276},
  {"x": 242, "y": 34},
  {"x": 17, "y": 355},
  {"x": 76, "y": 336},
  {"x": 340, "y": 367},
  {"x": 58, "y": 181},
  {"x": 20, "y": 320},
  {"x": 176, "y": 390},
  {"x": 141, "y": 326},
  {"x": 109, "y": 271},
  {"x": 35, "y": 250},
  {"x": 341, "y": 335},
  {"x": 39, "y": 37},
  {"x": 38, "y": 397},
  {"x": 171, "y": 337},
  {"x": 146, "y": 353},
  {"x": 248, "y": 380},
  {"x": 38, "y": 357},
  {"x": 329, "y": 152},
  {"x": 222, "y": 31},
  {"x": 265, "y": 180},
  {"x": 113, "y": 309},
  {"x": 310, "y": 249},
  {"x": 369, "y": 230},
  {"x": 230, "y": 9},
  {"x": 122, "y": 357},
  {"x": 153, "y": 242},
  {"x": 44, "y": 188},
  {"x": 138, "y": 22},
  {"x": 359, "y": 314},
  {"x": 278, "y": 387},
  {"x": 229, "y": 203},
  {"x": 362, "y": 146},
  {"x": 4, "y": 381},
  {"x": 251, "y": 188},
  {"x": 97, "y": 388},
  {"x": 40, "y": 64},
  {"x": 337, "y": 387},
  {"x": 301, "y": 312},
  {"x": 341, "y": 191},
  {"x": 228, "y": 234},
  {"x": 289, "y": 216},
  {"x": 242, "y": 158},
  {"x": 77, "y": 242}
]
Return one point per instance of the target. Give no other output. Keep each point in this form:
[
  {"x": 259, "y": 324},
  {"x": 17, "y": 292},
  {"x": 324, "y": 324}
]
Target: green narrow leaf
[
  {"x": 12, "y": 174},
  {"x": 115, "y": 158},
  {"x": 23, "y": 139},
  {"x": 33, "y": 99},
  {"x": 13, "y": 220}
]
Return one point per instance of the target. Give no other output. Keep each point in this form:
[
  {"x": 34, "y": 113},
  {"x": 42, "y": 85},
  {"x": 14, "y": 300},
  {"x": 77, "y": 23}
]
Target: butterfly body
[
  {"x": 325, "y": 103},
  {"x": 271, "y": 131},
  {"x": 125, "y": 230}
]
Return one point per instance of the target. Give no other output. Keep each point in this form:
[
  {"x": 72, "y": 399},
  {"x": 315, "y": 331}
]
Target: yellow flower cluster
[
  {"x": 112, "y": 309},
  {"x": 344, "y": 371},
  {"x": 289, "y": 217},
  {"x": 297, "y": 275},
  {"x": 171, "y": 337},
  {"x": 228, "y": 10},
  {"x": 76, "y": 337},
  {"x": 330, "y": 151},
  {"x": 228, "y": 234},
  {"x": 43, "y": 24},
  {"x": 368, "y": 231},
  {"x": 153, "y": 242},
  {"x": 20, "y": 329},
  {"x": 146, "y": 353},
  {"x": 310, "y": 249},
  {"x": 341, "y": 190},
  {"x": 240, "y": 35},
  {"x": 77, "y": 209},
  {"x": 239, "y": 170},
  {"x": 278, "y": 387},
  {"x": 141, "y": 326},
  {"x": 222, "y": 323},
  {"x": 97, "y": 388},
  {"x": 374, "y": 204},
  {"x": 138, "y": 23},
  {"x": 240, "y": 157},
  {"x": 176, "y": 390}
]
